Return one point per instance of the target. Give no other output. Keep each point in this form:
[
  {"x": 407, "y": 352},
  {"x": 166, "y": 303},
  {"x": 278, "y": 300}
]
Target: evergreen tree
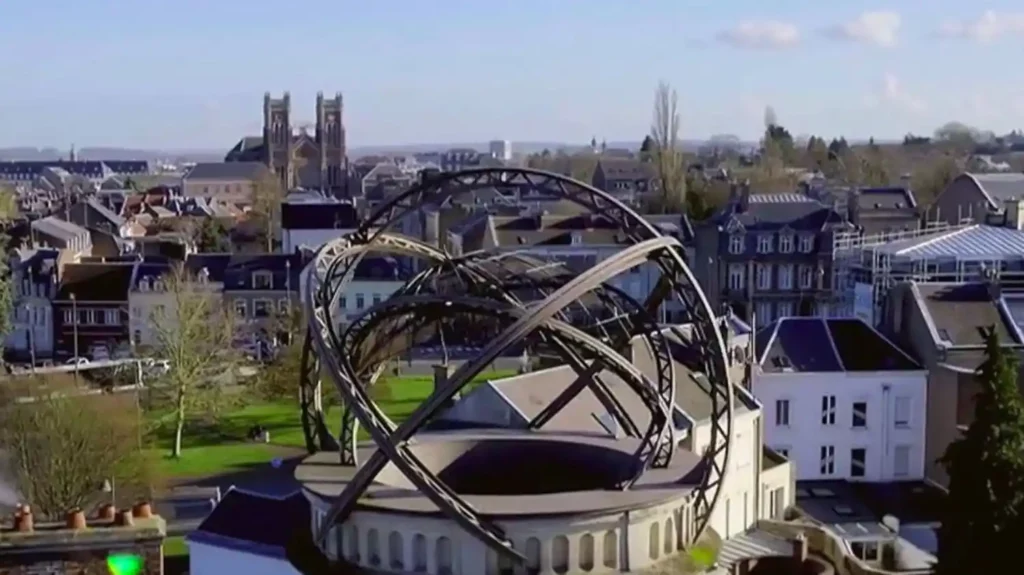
[{"x": 983, "y": 521}]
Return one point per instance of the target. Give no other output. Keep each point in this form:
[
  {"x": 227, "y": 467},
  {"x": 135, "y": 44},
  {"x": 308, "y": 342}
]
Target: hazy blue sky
[{"x": 191, "y": 73}]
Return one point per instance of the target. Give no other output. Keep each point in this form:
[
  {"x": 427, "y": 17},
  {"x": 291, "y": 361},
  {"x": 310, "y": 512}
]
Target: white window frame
[
  {"x": 806, "y": 272},
  {"x": 763, "y": 276},
  {"x": 268, "y": 308},
  {"x": 786, "y": 242},
  {"x": 861, "y": 465},
  {"x": 897, "y": 451},
  {"x": 113, "y": 316},
  {"x": 806, "y": 243},
  {"x": 782, "y": 412},
  {"x": 784, "y": 309},
  {"x": 765, "y": 243},
  {"x": 241, "y": 308},
  {"x": 736, "y": 242},
  {"x": 262, "y": 275},
  {"x": 901, "y": 420},
  {"x": 785, "y": 273},
  {"x": 360, "y": 301},
  {"x": 828, "y": 410},
  {"x": 737, "y": 276},
  {"x": 827, "y": 460},
  {"x": 863, "y": 415},
  {"x": 763, "y": 311}
]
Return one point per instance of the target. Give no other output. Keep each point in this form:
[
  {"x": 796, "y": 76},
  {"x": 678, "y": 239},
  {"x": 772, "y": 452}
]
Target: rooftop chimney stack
[
  {"x": 23, "y": 521},
  {"x": 124, "y": 519},
  {"x": 142, "y": 510},
  {"x": 76, "y": 520},
  {"x": 107, "y": 512}
]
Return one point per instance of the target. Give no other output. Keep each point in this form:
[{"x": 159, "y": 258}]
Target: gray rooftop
[
  {"x": 58, "y": 228},
  {"x": 975, "y": 243},
  {"x": 999, "y": 188},
  {"x": 225, "y": 171}
]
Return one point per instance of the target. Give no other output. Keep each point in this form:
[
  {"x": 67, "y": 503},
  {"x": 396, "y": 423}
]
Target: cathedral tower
[
  {"x": 277, "y": 136},
  {"x": 330, "y": 139}
]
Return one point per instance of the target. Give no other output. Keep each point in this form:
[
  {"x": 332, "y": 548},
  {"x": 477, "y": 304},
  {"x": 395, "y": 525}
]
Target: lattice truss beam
[{"x": 579, "y": 317}]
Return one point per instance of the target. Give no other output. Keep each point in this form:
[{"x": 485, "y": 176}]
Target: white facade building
[
  {"x": 500, "y": 149},
  {"x": 842, "y": 401},
  {"x": 374, "y": 281},
  {"x": 247, "y": 533},
  {"x": 312, "y": 223}
]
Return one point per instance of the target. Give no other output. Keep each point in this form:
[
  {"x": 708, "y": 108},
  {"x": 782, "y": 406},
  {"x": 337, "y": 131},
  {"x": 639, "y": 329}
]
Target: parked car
[{"x": 77, "y": 361}]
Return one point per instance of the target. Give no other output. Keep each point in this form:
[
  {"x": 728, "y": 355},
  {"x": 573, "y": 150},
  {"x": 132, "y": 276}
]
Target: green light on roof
[{"x": 124, "y": 564}]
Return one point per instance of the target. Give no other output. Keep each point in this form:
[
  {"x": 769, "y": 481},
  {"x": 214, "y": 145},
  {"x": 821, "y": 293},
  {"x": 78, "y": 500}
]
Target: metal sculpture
[{"x": 581, "y": 318}]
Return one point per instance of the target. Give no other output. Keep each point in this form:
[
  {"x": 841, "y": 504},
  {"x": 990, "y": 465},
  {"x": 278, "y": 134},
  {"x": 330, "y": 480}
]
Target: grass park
[{"x": 219, "y": 444}]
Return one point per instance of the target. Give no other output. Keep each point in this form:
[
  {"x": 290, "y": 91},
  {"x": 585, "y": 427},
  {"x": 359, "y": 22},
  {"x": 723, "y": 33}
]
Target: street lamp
[
  {"x": 74, "y": 327},
  {"x": 110, "y": 487}
]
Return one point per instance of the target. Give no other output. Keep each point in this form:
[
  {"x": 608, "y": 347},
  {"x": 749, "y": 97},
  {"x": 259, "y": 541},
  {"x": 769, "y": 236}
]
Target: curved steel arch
[{"x": 711, "y": 358}]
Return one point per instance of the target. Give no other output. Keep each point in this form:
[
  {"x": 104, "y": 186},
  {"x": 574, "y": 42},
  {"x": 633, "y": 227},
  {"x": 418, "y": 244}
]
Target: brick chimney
[{"x": 76, "y": 520}]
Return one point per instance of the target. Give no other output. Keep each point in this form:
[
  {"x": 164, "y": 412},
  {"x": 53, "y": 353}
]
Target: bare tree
[
  {"x": 668, "y": 158},
  {"x": 267, "y": 194},
  {"x": 62, "y": 449},
  {"x": 195, "y": 332}
]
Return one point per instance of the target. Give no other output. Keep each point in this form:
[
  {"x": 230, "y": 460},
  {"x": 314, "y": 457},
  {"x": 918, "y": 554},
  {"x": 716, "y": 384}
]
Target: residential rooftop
[
  {"x": 819, "y": 345},
  {"x": 970, "y": 243},
  {"x": 254, "y": 523}
]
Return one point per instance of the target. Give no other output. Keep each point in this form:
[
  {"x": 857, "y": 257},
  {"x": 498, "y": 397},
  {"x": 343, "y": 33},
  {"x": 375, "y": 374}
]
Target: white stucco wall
[
  {"x": 210, "y": 560},
  {"x": 805, "y": 434}
]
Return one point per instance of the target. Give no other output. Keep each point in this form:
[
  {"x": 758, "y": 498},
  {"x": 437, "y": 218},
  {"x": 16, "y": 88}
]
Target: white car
[{"x": 77, "y": 361}]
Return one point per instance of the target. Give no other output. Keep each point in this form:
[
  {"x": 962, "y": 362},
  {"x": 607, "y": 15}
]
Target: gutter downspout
[{"x": 886, "y": 389}]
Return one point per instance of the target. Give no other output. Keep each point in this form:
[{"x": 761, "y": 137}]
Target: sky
[{"x": 191, "y": 74}]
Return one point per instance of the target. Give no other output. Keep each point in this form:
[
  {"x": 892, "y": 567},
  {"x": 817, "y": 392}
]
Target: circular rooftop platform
[{"x": 513, "y": 474}]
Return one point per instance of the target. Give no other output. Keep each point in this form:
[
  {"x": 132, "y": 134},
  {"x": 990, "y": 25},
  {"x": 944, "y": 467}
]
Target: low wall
[{"x": 822, "y": 541}]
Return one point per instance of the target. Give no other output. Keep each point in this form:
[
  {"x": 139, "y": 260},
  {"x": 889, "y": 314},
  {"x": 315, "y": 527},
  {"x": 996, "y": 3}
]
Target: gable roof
[
  {"x": 253, "y": 523},
  {"x": 225, "y": 171},
  {"x": 997, "y": 189},
  {"x": 96, "y": 281},
  {"x": 820, "y": 345},
  {"x": 956, "y": 312},
  {"x": 775, "y": 211},
  {"x": 530, "y": 393}
]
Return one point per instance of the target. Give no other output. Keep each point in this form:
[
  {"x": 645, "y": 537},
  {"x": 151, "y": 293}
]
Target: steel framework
[{"x": 579, "y": 317}]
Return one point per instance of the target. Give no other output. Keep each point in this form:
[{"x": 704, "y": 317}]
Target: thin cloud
[
  {"x": 765, "y": 34},
  {"x": 990, "y": 26},
  {"x": 878, "y": 28},
  {"x": 894, "y": 94}
]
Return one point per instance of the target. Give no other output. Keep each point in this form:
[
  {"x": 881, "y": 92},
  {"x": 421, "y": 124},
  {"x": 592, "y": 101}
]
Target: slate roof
[
  {"x": 818, "y": 345},
  {"x": 999, "y": 188},
  {"x": 85, "y": 168},
  {"x": 225, "y": 171},
  {"x": 775, "y": 211},
  {"x": 318, "y": 216},
  {"x": 871, "y": 199},
  {"x": 58, "y": 228},
  {"x": 96, "y": 281},
  {"x": 253, "y": 523},
  {"x": 977, "y": 242},
  {"x": 956, "y": 313},
  {"x": 236, "y": 271},
  {"x": 624, "y": 169}
]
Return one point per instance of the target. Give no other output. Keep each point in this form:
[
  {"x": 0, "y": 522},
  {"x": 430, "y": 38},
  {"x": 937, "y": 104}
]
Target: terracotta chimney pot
[
  {"x": 107, "y": 512},
  {"x": 24, "y": 523},
  {"x": 142, "y": 510},
  {"x": 125, "y": 519},
  {"x": 76, "y": 519}
]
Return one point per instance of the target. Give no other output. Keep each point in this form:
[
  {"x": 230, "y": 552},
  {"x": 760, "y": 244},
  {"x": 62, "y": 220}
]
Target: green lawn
[
  {"x": 175, "y": 546},
  {"x": 220, "y": 445}
]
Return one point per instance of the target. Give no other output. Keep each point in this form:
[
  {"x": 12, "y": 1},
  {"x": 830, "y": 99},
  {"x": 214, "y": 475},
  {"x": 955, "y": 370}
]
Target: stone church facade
[{"x": 305, "y": 156}]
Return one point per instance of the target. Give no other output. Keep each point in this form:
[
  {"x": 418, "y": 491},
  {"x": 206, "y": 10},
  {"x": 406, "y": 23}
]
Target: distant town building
[
  {"x": 500, "y": 149},
  {"x": 300, "y": 159}
]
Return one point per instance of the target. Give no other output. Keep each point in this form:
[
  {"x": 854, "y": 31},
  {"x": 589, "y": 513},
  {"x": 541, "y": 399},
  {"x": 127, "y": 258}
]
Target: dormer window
[
  {"x": 577, "y": 239},
  {"x": 262, "y": 280},
  {"x": 786, "y": 242},
  {"x": 736, "y": 244},
  {"x": 765, "y": 243},
  {"x": 144, "y": 284}
]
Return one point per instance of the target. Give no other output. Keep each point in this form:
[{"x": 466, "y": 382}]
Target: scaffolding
[{"x": 866, "y": 267}]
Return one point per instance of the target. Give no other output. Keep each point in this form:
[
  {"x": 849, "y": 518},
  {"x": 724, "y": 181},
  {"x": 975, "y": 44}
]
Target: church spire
[{"x": 72, "y": 154}]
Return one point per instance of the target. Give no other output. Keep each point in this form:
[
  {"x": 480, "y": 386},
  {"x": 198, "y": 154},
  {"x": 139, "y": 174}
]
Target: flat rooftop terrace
[{"x": 513, "y": 474}]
